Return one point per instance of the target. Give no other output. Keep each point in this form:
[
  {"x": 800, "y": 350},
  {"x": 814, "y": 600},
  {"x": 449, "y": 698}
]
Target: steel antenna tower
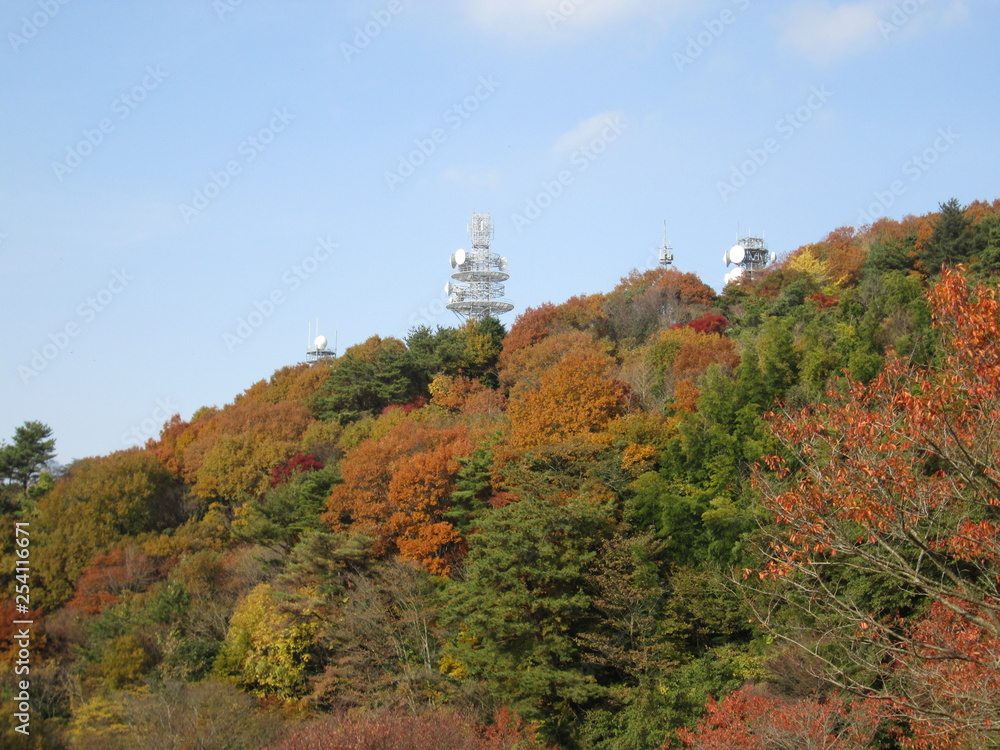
[
  {"x": 479, "y": 274},
  {"x": 749, "y": 254},
  {"x": 666, "y": 252}
]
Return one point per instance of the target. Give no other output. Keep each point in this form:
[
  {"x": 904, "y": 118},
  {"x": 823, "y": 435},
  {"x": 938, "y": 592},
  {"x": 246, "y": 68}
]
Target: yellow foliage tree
[{"x": 268, "y": 648}]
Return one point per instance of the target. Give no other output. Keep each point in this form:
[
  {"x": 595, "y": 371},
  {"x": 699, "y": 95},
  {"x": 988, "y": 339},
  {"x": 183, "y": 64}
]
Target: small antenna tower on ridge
[
  {"x": 317, "y": 348},
  {"x": 480, "y": 274},
  {"x": 666, "y": 252}
]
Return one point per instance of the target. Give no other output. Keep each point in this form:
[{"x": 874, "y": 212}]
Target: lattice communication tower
[
  {"x": 479, "y": 275},
  {"x": 749, "y": 254}
]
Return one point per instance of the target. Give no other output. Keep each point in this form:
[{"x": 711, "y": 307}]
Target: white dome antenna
[{"x": 319, "y": 345}]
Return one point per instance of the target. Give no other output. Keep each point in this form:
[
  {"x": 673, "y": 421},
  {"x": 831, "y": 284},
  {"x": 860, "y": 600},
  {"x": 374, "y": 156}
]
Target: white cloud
[
  {"x": 587, "y": 131},
  {"x": 825, "y": 32},
  {"x": 471, "y": 178}
]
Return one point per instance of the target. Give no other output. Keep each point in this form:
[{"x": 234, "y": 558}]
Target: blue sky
[{"x": 185, "y": 185}]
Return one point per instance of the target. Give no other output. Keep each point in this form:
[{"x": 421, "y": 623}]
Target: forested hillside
[{"x": 655, "y": 517}]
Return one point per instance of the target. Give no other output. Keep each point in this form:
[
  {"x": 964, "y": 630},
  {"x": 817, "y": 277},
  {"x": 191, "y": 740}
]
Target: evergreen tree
[
  {"x": 521, "y": 605},
  {"x": 951, "y": 241},
  {"x": 473, "y": 487},
  {"x": 368, "y": 378},
  {"x": 779, "y": 361},
  {"x": 33, "y": 447}
]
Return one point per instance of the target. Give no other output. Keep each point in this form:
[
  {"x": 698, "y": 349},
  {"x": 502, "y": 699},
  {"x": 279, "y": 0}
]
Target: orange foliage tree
[
  {"x": 263, "y": 427},
  {"x": 686, "y": 288},
  {"x": 396, "y": 489},
  {"x": 645, "y": 301},
  {"x": 888, "y": 533},
  {"x": 575, "y": 398},
  {"x": 466, "y": 396},
  {"x": 582, "y": 313},
  {"x": 103, "y": 582},
  {"x": 842, "y": 254},
  {"x": 524, "y": 366}
]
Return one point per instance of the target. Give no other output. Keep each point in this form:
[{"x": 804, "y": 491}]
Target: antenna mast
[
  {"x": 480, "y": 274},
  {"x": 666, "y": 252}
]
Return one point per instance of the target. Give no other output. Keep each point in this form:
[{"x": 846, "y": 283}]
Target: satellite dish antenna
[
  {"x": 725, "y": 258},
  {"x": 320, "y": 343},
  {"x": 479, "y": 273},
  {"x": 448, "y": 288},
  {"x": 737, "y": 253}
]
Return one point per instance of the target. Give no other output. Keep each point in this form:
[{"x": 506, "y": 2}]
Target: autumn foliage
[
  {"x": 594, "y": 520},
  {"x": 297, "y": 464},
  {"x": 750, "y": 721},
  {"x": 576, "y": 398},
  {"x": 110, "y": 575},
  {"x": 898, "y": 481},
  {"x": 399, "y": 730},
  {"x": 396, "y": 490}
]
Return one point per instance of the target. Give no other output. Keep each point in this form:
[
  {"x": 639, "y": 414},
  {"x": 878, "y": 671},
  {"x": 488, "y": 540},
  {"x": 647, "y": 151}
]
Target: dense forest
[{"x": 657, "y": 517}]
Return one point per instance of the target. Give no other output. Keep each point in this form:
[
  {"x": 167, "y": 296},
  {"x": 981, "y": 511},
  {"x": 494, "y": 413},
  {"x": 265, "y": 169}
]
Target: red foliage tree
[
  {"x": 707, "y": 323},
  {"x": 417, "y": 402},
  {"x": 436, "y": 730},
  {"x": 899, "y": 490},
  {"x": 749, "y": 721},
  {"x": 297, "y": 464}
]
